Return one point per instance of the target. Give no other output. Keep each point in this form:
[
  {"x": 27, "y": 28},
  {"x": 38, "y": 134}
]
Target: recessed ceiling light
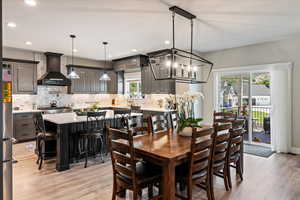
[
  {"x": 11, "y": 24},
  {"x": 30, "y": 2},
  {"x": 167, "y": 42},
  {"x": 75, "y": 50},
  {"x": 133, "y": 50},
  {"x": 28, "y": 43}
]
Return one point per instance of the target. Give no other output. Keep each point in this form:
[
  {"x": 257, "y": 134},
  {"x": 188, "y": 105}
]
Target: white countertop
[
  {"x": 128, "y": 107},
  {"x": 68, "y": 118},
  {"x": 25, "y": 111},
  {"x": 155, "y": 109}
]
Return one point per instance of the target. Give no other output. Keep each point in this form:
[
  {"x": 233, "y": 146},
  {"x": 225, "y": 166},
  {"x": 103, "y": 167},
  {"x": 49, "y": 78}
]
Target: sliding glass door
[{"x": 248, "y": 95}]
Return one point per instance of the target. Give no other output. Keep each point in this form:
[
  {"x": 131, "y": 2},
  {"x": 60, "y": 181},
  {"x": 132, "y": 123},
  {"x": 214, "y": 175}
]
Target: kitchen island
[{"x": 67, "y": 126}]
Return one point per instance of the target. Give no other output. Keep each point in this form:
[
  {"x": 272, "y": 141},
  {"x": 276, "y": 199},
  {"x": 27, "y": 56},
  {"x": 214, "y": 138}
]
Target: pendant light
[
  {"x": 180, "y": 65},
  {"x": 73, "y": 74},
  {"x": 105, "y": 76}
]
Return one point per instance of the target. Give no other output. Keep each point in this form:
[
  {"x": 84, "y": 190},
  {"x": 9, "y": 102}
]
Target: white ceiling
[{"x": 145, "y": 24}]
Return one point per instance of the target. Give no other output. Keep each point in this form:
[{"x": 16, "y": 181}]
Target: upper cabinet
[
  {"x": 129, "y": 64},
  {"x": 89, "y": 81},
  {"x": 120, "y": 82},
  {"x": 152, "y": 86},
  {"x": 24, "y": 75}
]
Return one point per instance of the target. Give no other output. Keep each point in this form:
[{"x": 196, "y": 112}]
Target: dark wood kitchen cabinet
[
  {"x": 24, "y": 128},
  {"x": 152, "y": 86},
  {"x": 24, "y": 76},
  {"x": 112, "y": 85},
  {"x": 131, "y": 63},
  {"x": 89, "y": 82},
  {"x": 120, "y": 82}
]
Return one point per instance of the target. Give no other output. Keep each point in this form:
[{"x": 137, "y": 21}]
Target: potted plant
[{"x": 185, "y": 108}]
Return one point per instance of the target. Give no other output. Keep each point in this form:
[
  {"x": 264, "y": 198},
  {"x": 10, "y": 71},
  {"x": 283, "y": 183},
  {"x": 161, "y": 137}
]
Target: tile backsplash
[{"x": 46, "y": 94}]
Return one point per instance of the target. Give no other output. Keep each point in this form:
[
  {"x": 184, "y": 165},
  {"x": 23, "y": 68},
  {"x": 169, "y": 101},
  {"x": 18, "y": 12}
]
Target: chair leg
[
  {"x": 114, "y": 194},
  {"x": 38, "y": 150},
  {"x": 182, "y": 186},
  {"x": 150, "y": 191},
  {"x": 135, "y": 195},
  {"x": 208, "y": 188},
  {"x": 101, "y": 148},
  {"x": 229, "y": 176},
  {"x": 239, "y": 170},
  {"x": 41, "y": 161},
  {"x": 211, "y": 186},
  {"x": 189, "y": 191},
  {"x": 86, "y": 148},
  {"x": 226, "y": 179}
]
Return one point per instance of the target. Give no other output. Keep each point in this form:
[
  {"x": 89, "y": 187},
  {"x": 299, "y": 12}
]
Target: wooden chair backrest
[
  {"x": 224, "y": 117},
  {"x": 236, "y": 137},
  {"x": 138, "y": 126},
  {"x": 122, "y": 154},
  {"x": 200, "y": 156},
  {"x": 220, "y": 145},
  {"x": 159, "y": 123}
]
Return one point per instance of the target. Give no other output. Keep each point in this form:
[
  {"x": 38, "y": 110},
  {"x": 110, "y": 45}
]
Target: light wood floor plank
[{"x": 274, "y": 178}]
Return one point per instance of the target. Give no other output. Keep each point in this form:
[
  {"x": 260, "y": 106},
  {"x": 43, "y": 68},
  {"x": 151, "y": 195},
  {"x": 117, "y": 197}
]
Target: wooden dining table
[{"x": 167, "y": 149}]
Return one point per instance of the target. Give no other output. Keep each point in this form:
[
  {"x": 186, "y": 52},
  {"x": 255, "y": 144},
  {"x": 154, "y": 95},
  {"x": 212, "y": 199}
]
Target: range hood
[{"x": 53, "y": 76}]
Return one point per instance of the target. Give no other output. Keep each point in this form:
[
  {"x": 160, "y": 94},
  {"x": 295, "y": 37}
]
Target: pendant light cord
[
  {"x": 105, "y": 55},
  {"x": 72, "y": 51},
  {"x": 173, "y": 28}
]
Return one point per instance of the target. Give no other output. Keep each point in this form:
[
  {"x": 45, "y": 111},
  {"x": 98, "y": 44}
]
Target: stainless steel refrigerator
[{"x": 7, "y": 132}]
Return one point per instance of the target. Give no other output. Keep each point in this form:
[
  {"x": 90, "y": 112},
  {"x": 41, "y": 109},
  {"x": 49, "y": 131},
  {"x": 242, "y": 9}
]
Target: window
[{"x": 133, "y": 88}]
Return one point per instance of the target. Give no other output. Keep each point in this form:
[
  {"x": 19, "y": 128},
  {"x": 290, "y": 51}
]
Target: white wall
[{"x": 287, "y": 50}]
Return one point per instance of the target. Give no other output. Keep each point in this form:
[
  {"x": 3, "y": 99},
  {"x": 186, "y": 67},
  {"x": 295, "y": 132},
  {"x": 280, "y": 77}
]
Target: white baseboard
[{"x": 295, "y": 150}]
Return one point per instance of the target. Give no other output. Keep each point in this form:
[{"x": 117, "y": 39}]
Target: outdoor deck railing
[{"x": 260, "y": 115}]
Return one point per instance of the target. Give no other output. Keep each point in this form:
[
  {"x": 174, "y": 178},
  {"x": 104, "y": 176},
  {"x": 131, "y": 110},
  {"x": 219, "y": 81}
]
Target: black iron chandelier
[{"x": 179, "y": 65}]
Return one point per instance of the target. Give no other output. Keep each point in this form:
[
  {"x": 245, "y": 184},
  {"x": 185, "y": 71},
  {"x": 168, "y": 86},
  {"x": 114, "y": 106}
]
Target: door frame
[
  {"x": 217, "y": 73},
  {"x": 1, "y": 107}
]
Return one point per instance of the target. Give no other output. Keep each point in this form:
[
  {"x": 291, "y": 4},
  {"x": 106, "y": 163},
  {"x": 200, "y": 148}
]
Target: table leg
[{"x": 169, "y": 181}]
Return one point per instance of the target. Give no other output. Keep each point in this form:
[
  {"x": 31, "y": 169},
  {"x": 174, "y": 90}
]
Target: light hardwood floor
[{"x": 275, "y": 178}]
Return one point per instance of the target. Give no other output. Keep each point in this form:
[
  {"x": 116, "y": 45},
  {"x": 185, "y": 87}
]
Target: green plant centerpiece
[
  {"x": 189, "y": 122},
  {"x": 185, "y": 106}
]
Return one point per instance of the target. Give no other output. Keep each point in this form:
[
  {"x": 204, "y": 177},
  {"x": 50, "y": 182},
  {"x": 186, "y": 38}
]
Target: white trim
[
  {"x": 295, "y": 150},
  {"x": 252, "y": 68}
]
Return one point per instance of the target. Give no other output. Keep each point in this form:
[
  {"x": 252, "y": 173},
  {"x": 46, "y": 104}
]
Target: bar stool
[
  {"x": 121, "y": 114},
  {"x": 42, "y": 139},
  {"x": 92, "y": 139}
]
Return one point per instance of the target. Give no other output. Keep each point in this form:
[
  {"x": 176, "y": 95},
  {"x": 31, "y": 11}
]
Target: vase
[{"x": 187, "y": 132}]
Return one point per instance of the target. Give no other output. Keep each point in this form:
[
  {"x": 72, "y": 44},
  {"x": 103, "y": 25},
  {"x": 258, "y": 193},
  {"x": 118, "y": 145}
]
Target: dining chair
[
  {"x": 138, "y": 125},
  {"x": 220, "y": 146},
  {"x": 130, "y": 173},
  {"x": 198, "y": 171},
  {"x": 224, "y": 117},
  {"x": 234, "y": 153},
  {"x": 92, "y": 139},
  {"x": 42, "y": 139},
  {"x": 159, "y": 123}
]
